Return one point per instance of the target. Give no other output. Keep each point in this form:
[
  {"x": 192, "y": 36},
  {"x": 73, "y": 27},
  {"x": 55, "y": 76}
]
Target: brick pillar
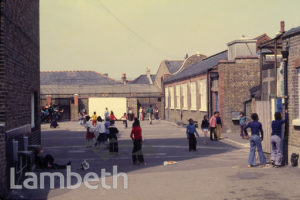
[
  {"x": 48, "y": 100},
  {"x": 74, "y": 108}
]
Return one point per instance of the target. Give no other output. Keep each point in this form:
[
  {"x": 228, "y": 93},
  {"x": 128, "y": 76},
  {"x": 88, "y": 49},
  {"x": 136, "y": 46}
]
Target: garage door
[{"x": 117, "y": 105}]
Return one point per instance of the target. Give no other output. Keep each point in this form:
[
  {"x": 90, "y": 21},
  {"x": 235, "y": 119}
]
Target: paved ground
[{"x": 217, "y": 170}]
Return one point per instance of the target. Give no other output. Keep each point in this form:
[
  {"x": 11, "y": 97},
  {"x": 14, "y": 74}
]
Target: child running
[
  {"x": 190, "y": 133},
  {"x": 276, "y": 138},
  {"x": 255, "y": 141},
  {"x": 136, "y": 136},
  {"x": 89, "y": 132},
  {"x": 205, "y": 127}
]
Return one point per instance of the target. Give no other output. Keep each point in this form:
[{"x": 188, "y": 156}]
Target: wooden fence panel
[{"x": 263, "y": 109}]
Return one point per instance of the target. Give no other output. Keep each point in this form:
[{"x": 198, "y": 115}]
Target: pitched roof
[
  {"x": 142, "y": 79},
  {"x": 292, "y": 32},
  {"x": 75, "y": 78},
  {"x": 137, "y": 89},
  {"x": 198, "y": 68},
  {"x": 173, "y": 66}
]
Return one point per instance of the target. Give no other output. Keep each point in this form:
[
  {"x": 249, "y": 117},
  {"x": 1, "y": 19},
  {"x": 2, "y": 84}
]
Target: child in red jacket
[{"x": 136, "y": 136}]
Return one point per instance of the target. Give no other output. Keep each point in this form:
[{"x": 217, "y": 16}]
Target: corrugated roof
[
  {"x": 98, "y": 89},
  {"x": 173, "y": 66},
  {"x": 198, "y": 68},
  {"x": 142, "y": 79},
  {"x": 75, "y": 78},
  {"x": 292, "y": 32}
]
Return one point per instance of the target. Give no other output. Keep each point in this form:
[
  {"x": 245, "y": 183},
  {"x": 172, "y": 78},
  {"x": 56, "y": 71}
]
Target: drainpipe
[
  {"x": 208, "y": 93},
  {"x": 285, "y": 55},
  {"x": 245, "y": 104}
]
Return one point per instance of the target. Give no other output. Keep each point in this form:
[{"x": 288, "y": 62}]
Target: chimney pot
[
  {"x": 124, "y": 80},
  {"x": 282, "y": 26}
]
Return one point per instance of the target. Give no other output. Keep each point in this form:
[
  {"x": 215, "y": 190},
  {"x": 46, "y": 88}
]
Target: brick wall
[
  {"x": 19, "y": 71},
  {"x": 235, "y": 80},
  {"x": 293, "y": 90}
]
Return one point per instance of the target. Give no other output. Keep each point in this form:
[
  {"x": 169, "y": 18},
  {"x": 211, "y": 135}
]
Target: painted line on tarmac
[{"x": 238, "y": 143}]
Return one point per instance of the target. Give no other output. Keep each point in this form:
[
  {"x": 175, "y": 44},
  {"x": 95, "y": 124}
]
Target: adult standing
[
  {"x": 141, "y": 113},
  {"x": 106, "y": 113},
  {"x": 257, "y": 135},
  {"x": 136, "y": 136},
  {"x": 213, "y": 126}
]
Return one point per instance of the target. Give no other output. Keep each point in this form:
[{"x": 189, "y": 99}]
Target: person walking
[
  {"x": 112, "y": 116},
  {"x": 276, "y": 138},
  {"x": 136, "y": 136},
  {"x": 113, "y": 139},
  {"x": 106, "y": 113},
  {"x": 205, "y": 127},
  {"x": 243, "y": 120},
  {"x": 213, "y": 126},
  {"x": 257, "y": 135},
  {"x": 94, "y": 119},
  {"x": 124, "y": 118},
  {"x": 219, "y": 126},
  {"x": 190, "y": 133},
  {"x": 150, "y": 113},
  {"x": 89, "y": 132}
]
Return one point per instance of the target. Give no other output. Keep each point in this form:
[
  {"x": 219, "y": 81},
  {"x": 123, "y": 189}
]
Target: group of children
[
  {"x": 255, "y": 139},
  {"x": 214, "y": 124},
  {"x": 107, "y": 131}
]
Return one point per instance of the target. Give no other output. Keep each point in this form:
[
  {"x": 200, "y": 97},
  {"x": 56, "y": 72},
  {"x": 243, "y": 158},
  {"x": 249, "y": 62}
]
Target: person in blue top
[
  {"x": 257, "y": 135},
  {"x": 276, "y": 138},
  {"x": 190, "y": 133}
]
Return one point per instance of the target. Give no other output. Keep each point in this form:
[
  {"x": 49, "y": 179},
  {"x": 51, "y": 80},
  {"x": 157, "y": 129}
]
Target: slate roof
[
  {"x": 75, "y": 78},
  {"x": 198, "y": 68},
  {"x": 292, "y": 32},
  {"x": 136, "y": 89},
  {"x": 173, "y": 66},
  {"x": 142, "y": 79}
]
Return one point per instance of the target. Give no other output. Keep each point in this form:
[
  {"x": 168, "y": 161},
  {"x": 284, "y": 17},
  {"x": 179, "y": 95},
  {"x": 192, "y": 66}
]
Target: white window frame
[
  {"x": 178, "y": 97},
  {"x": 184, "y": 90},
  {"x": 166, "y": 97},
  {"x": 203, "y": 95},
  {"x": 193, "y": 93},
  {"x": 172, "y": 97}
]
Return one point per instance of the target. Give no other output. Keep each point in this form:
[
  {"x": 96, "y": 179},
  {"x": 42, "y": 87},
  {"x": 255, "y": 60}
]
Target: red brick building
[{"x": 19, "y": 79}]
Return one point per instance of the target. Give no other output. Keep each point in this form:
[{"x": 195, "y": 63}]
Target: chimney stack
[
  {"x": 149, "y": 75},
  {"x": 282, "y": 26},
  {"x": 124, "y": 80}
]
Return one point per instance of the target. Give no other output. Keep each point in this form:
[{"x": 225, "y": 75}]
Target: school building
[
  {"x": 220, "y": 82},
  {"x": 90, "y": 91},
  {"x": 19, "y": 81}
]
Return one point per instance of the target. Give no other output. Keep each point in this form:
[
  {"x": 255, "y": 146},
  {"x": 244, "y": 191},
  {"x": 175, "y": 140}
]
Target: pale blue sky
[{"x": 84, "y": 35}]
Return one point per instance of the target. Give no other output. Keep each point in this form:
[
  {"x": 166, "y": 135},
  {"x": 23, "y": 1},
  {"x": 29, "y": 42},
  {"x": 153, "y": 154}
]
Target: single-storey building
[{"x": 76, "y": 91}]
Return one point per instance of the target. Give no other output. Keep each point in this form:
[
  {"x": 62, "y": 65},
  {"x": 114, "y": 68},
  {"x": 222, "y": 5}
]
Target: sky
[{"x": 126, "y": 36}]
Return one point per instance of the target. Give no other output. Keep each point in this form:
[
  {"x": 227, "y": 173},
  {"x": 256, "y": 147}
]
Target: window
[
  {"x": 203, "y": 95},
  {"x": 172, "y": 97},
  {"x": 193, "y": 96},
  {"x": 166, "y": 97},
  {"x": 178, "y": 95},
  {"x": 184, "y": 96}
]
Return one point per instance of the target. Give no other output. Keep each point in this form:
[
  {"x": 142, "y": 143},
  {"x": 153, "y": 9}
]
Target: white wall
[{"x": 117, "y": 105}]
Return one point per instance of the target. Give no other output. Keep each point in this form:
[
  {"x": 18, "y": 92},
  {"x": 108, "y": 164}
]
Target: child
[
  {"x": 113, "y": 139},
  {"x": 136, "y": 136},
  {"x": 213, "y": 126},
  {"x": 255, "y": 141},
  {"x": 190, "y": 133},
  {"x": 243, "y": 120},
  {"x": 101, "y": 130},
  {"x": 219, "y": 126},
  {"x": 89, "y": 131},
  {"x": 276, "y": 138},
  {"x": 124, "y": 118},
  {"x": 94, "y": 119},
  {"x": 205, "y": 127},
  {"x": 47, "y": 161},
  {"x": 112, "y": 116}
]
